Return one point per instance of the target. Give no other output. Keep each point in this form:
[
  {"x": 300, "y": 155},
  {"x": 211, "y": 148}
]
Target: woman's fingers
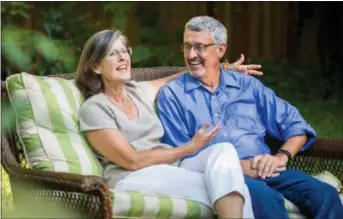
[{"x": 254, "y": 72}]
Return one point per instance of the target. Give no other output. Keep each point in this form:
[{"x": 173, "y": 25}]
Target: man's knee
[
  {"x": 327, "y": 191},
  {"x": 326, "y": 201}
]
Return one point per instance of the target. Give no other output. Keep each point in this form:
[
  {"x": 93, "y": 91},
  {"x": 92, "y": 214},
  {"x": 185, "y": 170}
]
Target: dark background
[{"x": 299, "y": 44}]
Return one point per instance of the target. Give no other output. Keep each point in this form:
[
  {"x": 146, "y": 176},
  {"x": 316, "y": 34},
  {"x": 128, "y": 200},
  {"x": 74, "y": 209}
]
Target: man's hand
[
  {"x": 246, "y": 69},
  {"x": 247, "y": 169},
  {"x": 269, "y": 165}
]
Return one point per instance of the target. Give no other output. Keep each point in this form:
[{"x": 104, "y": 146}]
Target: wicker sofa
[{"x": 90, "y": 197}]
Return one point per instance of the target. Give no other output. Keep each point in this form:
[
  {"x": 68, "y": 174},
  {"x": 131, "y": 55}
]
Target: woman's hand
[
  {"x": 246, "y": 69},
  {"x": 203, "y": 137}
]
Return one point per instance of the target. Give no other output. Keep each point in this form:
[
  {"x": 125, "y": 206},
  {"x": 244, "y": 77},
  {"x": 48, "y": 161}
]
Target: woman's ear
[{"x": 96, "y": 69}]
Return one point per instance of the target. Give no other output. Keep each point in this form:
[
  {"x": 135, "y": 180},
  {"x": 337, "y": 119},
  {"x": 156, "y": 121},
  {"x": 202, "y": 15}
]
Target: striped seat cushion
[
  {"x": 138, "y": 205},
  {"x": 47, "y": 124}
]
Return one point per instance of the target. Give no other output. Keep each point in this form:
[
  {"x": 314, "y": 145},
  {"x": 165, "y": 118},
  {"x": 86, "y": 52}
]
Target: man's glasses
[
  {"x": 197, "y": 47},
  {"x": 117, "y": 53}
]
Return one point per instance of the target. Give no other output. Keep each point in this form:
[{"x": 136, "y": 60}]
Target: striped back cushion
[{"x": 47, "y": 124}]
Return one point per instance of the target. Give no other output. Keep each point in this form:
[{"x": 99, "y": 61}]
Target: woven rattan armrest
[
  {"x": 331, "y": 148},
  {"x": 75, "y": 195}
]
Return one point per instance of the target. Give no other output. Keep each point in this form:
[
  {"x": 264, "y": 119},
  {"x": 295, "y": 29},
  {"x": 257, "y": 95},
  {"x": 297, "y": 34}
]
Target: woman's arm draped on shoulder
[
  {"x": 238, "y": 66},
  {"x": 158, "y": 83}
]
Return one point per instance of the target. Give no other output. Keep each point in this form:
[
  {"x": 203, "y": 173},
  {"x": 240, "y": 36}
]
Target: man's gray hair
[{"x": 210, "y": 25}]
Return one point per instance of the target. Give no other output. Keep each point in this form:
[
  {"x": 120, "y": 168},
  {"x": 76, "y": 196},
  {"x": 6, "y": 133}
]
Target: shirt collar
[
  {"x": 226, "y": 79},
  {"x": 191, "y": 82}
]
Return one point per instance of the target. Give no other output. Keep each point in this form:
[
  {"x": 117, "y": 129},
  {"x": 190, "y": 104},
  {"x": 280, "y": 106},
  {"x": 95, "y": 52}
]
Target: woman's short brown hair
[{"x": 88, "y": 82}]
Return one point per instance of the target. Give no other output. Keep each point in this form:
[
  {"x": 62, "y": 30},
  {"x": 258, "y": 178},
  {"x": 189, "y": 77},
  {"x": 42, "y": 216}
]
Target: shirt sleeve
[
  {"x": 282, "y": 120},
  {"x": 94, "y": 115},
  {"x": 172, "y": 117}
]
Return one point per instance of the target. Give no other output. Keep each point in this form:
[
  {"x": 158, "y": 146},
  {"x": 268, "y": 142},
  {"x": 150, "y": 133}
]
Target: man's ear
[{"x": 221, "y": 50}]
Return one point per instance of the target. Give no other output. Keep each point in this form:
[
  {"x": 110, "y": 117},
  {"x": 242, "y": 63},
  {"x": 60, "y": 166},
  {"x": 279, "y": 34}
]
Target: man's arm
[{"x": 283, "y": 121}]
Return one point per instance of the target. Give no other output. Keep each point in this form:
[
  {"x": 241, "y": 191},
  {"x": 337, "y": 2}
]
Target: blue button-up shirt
[{"x": 247, "y": 110}]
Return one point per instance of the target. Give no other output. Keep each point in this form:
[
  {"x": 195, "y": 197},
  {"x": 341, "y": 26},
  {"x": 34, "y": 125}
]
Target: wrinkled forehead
[
  {"x": 117, "y": 44},
  {"x": 197, "y": 37}
]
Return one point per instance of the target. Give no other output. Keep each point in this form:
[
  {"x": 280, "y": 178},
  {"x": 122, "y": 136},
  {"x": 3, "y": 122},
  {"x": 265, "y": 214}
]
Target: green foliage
[
  {"x": 121, "y": 11},
  {"x": 7, "y": 201},
  {"x": 55, "y": 52},
  {"x": 325, "y": 116},
  {"x": 293, "y": 80},
  {"x": 58, "y": 49},
  {"x": 154, "y": 39},
  {"x": 7, "y": 117},
  {"x": 14, "y": 9},
  {"x": 154, "y": 48},
  {"x": 307, "y": 90},
  {"x": 62, "y": 23},
  {"x": 41, "y": 210},
  {"x": 25, "y": 49}
]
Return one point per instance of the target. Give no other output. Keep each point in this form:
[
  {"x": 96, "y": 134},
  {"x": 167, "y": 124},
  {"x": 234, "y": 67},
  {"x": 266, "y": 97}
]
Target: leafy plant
[
  {"x": 155, "y": 48},
  {"x": 53, "y": 52},
  {"x": 30, "y": 50},
  {"x": 296, "y": 81},
  {"x": 6, "y": 194},
  {"x": 10, "y": 10},
  {"x": 120, "y": 11},
  {"x": 307, "y": 91}
]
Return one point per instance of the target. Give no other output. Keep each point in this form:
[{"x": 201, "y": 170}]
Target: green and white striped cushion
[
  {"x": 47, "y": 124},
  {"x": 296, "y": 216},
  {"x": 138, "y": 205}
]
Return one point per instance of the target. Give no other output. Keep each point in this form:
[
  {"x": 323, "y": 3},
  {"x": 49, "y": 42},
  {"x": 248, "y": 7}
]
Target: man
[{"x": 247, "y": 111}]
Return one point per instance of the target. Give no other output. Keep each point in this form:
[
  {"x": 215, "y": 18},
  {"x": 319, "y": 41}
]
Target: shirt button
[
  {"x": 216, "y": 114},
  {"x": 213, "y": 97}
]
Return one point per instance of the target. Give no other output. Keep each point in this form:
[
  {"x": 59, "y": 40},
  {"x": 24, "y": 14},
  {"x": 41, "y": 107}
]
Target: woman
[{"x": 120, "y": 123}]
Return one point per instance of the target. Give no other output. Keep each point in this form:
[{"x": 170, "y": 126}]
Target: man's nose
[{"x": 192, "y": 53}]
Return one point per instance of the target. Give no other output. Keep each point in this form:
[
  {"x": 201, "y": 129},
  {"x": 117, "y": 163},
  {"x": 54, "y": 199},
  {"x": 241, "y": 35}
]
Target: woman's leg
[
  {"x": 169, "y": 180},
  {"x": 235, "y": 201},
  {"x": 224, "y": 180}
]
